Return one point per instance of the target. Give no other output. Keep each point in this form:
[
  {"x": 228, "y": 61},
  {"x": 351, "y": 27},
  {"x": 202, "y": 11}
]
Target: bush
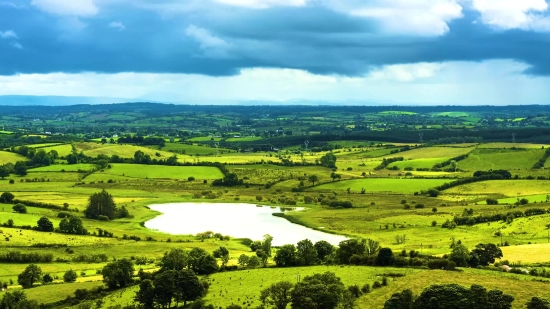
[
  {"x": 491, "y": 201},
  {"x": 7, "y": 197},
  {"x": 20, "y": 208},
  {"x": 102, "y": 218},
  {"x": 419, "y": 206},
  {"x": 70, "y": 276},
  {"x": 190, "y": 178}
]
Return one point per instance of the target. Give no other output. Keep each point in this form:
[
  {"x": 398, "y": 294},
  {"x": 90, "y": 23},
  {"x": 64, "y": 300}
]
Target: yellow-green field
[
  {"x": 163, "y": 172},
  {"x": 9, "y": 157},
  {"x": 407, "y": 186}
]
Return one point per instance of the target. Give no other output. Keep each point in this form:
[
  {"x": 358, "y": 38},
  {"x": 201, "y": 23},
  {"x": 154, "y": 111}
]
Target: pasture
[
  {"x": 10, "y": 157},
  {"x": 510, "y": 188},
  {"x": 388, "y": 185},
  {"x": 162, "y": 172},
  {"x": 483, "y": 159}
]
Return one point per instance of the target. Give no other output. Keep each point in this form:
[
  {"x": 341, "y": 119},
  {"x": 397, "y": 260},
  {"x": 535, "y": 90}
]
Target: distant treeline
[
  {"x": 478, "y": 176},
  {"x": 18, "y": 257},
  {"x": 471, "y": 220}
]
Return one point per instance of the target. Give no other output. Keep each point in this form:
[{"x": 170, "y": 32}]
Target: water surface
[{"x": 235, "y": 220}]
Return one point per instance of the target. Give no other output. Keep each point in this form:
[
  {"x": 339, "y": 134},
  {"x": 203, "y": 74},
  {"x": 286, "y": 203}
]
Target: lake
[{"x": 235, "y": 220}]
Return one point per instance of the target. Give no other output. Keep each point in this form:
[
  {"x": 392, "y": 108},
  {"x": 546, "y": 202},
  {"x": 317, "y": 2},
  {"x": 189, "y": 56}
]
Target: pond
[{"x": 235, "y": 220}]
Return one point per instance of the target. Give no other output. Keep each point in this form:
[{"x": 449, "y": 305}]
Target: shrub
[
  {"x": 491, "y": 201},
  {"x": 102, "y": 218},
  {"x": 419, "y": 206},
  {"x": 20, "y": 208},
  {"x": 70, "y": 276},
  {"x": 190, "y": 178},
  {"x": 7, "y": 197}
]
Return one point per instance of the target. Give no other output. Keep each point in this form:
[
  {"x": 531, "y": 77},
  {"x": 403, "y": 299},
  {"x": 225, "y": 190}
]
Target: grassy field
[
  {"x": 399, "y": 186},
  {"x": 513, "y": 145},
  {"x": 511, "y": 188},
  {"x": 124, "y": 151},
  {"x": 9, "y": 157},
  {"x": 62, "y": 150},
  {"x": 192, "y": 149},
  {"x": 486, "y": 159},
  {"x": 432, "y": 153},
  {"x": 65, "y": 167},
  {"x": 163, "y": 172}
]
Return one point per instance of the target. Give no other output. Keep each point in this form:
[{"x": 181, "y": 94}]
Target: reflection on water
[{"x": 236, "y": 220}]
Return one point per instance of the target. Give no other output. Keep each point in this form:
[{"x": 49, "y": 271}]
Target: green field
[
  {"x": 123, "y": 151},
  {"x": 66, "y": 167},
  {"x": 192, "y": 149},
  {"x": 486, "y": 159},
  {"x": 511, "y": 188},
  {"x": 162, "y": 172},
  {"x": 399, "y": 186},
  {"x": 9, "y": 157}
]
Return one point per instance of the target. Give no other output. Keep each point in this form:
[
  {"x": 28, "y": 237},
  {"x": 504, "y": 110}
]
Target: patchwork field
[
  {"x": 402, "y": 186},
  {"x": 486, "y": 159},
  {"x": 163, "y": 172},
  {"x": 9, "y": 157}
]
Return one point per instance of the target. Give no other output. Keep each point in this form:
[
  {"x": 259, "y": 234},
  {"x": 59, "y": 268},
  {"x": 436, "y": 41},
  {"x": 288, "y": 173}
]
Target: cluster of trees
[
  {"x": 102, "y": 206},
  {"x": 304, "y": 253},
  {"x": 386, "y": 162},
  {"x": 328, "y": 160},
  {"x": 229, "y": 180},
  {"x": 451, "y": 162},
  {"x": 481, "y": 255},
  {"x": 17, "y": 300},
  {"x": 451, "y": 296},
  {"x": 540, "y": 163},
  {"x": 19, "y": 257},
  {"x": 143, "y": 141},
  {"x": 467, "y": 218},
  {"x": 478, "y": 176}
]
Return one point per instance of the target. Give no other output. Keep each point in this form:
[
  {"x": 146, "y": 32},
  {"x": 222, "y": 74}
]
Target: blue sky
[{"x": 219, "y": 51}]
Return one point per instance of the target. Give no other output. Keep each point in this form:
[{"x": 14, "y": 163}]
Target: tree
[
  {"x": 348, "y": 248},
  {"x": 175, "y": 259},
  {"x": 318, "y": 291},
  {"x": 202, "y": 262},
  {"x": 6, "y": 197},
  {"x": 146, "y": 294},
  {"x": 385, "y": 257},
  {"x": 306, "y": 252},
  {"x": 223, "y": 254},
  {"x": 285, "y": 256},
  {"x": 243, "y": 260},
  {"x": 371, "y": 247},
  {"x": 47, "y": 278},
  {"x": 460, "y": 255},
  {"x": 45, "y": 225},
  {"x": 459, "y": 297},
  {"x": 253, "y": 261},
  {"x": 538, "y": 303},
  {"x": 29, "y": 276},
  {"x": 4, "y": 172},
  {"x": 101, "y": 204},
  {"x": 17, "y": 300},
  {"x": 72, "y": 225},
  {"x": 328, "y": 160},
  {"x": 165, "y": 288},
  {"x": 324, "y": 248},
  {"x": 454, "y": 165},
  {"x": 20, "y": 208},
  {"x": 118, "y": 273},
  {"x": 188, "y": 286},
  {"x": 70, "y": 276},
  {"x": 20, "y": 168},
  {"x": 433, "y": 192},
  {"x": 277, "y": 295},
  {"x": 486, "y": 253},
  {"x": 313, "y": 179},
  {"x": 401, "y": 300},
  {"x": 266, "y": 244},
  {"x": 72, "y": 159}
]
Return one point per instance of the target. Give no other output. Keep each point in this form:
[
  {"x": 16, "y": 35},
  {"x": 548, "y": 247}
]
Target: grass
[
  {"x": 62, "y": 150},
  {"x": 486, "y": 159},
  {"x": 124, "y": 151},
  {"x": 9, "y": 157},
  {"x": 510, "y": 188},
  {"x": 65, "y": 167},
  {"x": 432, "y": 152},
  {"x": 382, "y": 185},
  {"x": 163, "y": 172}
]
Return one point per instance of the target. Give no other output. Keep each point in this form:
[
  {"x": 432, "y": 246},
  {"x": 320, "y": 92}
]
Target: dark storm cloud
[{"x": 224, "y": 41}]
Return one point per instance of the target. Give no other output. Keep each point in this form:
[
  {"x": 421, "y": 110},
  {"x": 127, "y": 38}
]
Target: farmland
[{"x": 341, "y": 182}]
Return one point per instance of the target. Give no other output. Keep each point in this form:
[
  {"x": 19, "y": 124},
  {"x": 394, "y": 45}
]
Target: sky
[{"x": 398, "y": 52}]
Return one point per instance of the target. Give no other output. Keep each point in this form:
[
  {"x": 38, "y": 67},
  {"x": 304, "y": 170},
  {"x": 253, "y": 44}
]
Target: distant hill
[{"x": 23, "y": 100}]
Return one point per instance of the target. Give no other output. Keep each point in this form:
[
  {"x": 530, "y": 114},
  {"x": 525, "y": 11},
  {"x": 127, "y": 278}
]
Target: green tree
[
  {"x": 538, "y": 303},
  {"x": 165, "y": 288},
  {"x": 101, "y": 204},
  {"x": 188, "y": 286},
  {"x": 243, "y": 260},
  {"x": 4, "y": 172},
  {"x": 266, "y": 244},
  {"x": 306, "y": 252},
  {"x": 72, "y": 159},
  {"x": 70, "y": 276},
  {"x": 328, "y": 160},
  {"x": 318, "y": 291},
  {"x": 323, "y": 248},
  {"x": 385, "y": 257},
  {"x": 44, "y": 224},
  {"x": 486, "y": 253},
  {"x": 17, "y": 300},
  {"x": 20, "y": 168},
  {"x": 348, "y": 248},
  {"x": 146, "y": 294},
  {"x": 253, "y": 261},
  {"x": 313, "y": 179},
  {"x": 202, "y": 262},
  {"x": 20, "y": 208},
  {"x": 285, "y": 256},
  {"x": 47, "y": 278},
  {"x": 460, "y": 255},
  {"x": 223, "y": 254},
  {"x": 401, "y": 300},
  {"x": 29, "y": 276},
  {"x": 6, "y": 197},
  {"x": 72, "y": 225},
  {"x": 277, "y": 295},
  {"x": 118, "y": 273},
  {"x": 175, "y": 259}
]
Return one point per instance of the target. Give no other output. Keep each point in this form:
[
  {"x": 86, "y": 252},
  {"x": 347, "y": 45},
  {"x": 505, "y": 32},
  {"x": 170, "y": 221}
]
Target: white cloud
[
  {"x": 211, "y": 45},
  {"x": 9, "y": 34},
  {"x": 17, "y": 45},
  {"x": 263, "y": 4},
  {"x": 512, "y": 14},
  {"x": 117, "y": 25},
  {"x": 406, "y": 72},
  {"x": 67, "y": 7},
  {"x": 467, "y": 83},
  {"x": 420, "y": 17}
]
